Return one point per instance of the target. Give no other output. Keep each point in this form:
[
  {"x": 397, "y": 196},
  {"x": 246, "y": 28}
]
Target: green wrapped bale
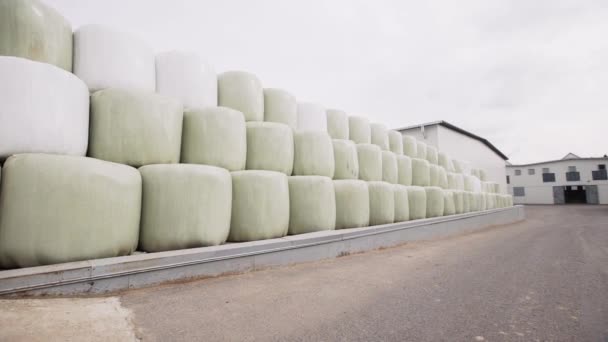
[
  {"x": 352, "y": 203},
  {"x": 410, "y": 146},
  {"x": 449, "y": 207},
  {"x": 359, "y": 130},
  {"x": 434, "y": 201},
  {"x": 458, "y": 201},
  {"x": 135, "y": 127},
  {"x": 455, "y": 181},
  {"x": 381, "y": 203},
  {"x": 241, "y": 91},
  {"x": 214, "y": 136},
  {"x": 337, "y": 124},
  {"x": 431, "y": 154},
  {"x": 395, "y": 142},
  {"x": 417, "y": 201},
  {"x": 404, "y": 170},
  {"x": 30, "y": 29},
  {"x": 184, "y": 206},
  {"x": 270, "y": 147},
  {"x": 379, "y": 136},
  {"x": 58, "y": 208},
  {"x": 402, "y": 206},
  {"x": 313, "y": 154},
  {"x": 433, "y": 175},
  {"x": 346, "y": 160},
  {"x": 370, "y": 162},
  {"x": 260, "y": 205},
  {"x": 312, "y": 204},
  {"x": 389, "y": 167},
  {"x": 421, "y": 173},
  {"x": 421, "y": 150},
  {"x": 280, "y": 107}
]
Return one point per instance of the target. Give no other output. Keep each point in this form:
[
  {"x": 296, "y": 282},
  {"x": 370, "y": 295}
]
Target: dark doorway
[{"x": 575, "y": 194}]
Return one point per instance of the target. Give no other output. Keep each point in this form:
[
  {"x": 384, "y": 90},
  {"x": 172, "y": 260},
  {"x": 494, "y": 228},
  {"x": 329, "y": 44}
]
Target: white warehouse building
[{"x": 571, "y": 179}]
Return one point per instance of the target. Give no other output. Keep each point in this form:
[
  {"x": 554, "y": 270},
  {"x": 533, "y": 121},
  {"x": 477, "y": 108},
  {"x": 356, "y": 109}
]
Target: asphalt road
[{"x": 545, "y": 279}]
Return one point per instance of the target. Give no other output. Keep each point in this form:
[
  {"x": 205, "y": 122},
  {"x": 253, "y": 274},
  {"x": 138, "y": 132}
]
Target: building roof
[
  {"x": 461, "y": 131},
  {"x": 605, "y": 159},
  {"x": 570, "y": 155}
]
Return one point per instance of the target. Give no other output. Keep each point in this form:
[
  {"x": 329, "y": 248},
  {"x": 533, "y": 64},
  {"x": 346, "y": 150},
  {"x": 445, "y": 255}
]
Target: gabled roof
[{"x": 571, "y": 156}]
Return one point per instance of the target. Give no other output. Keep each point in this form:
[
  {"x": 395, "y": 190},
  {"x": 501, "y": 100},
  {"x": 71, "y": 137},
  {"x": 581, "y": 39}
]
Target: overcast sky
[{"x": 531, "y": 76}]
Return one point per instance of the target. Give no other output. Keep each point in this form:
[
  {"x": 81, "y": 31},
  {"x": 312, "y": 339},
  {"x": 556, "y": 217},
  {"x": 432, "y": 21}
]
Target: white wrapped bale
[
  {"x": 402, "y": 206},
  {"x": 410, "y": 146},
  {"x": 359, "y": 130},
  {"x": 313, "y": 154},
  {"x": 455, "y": 181},
  {"x": 389, "y": 167},
  {"x": 458, "y": 201},
  {"x": 496, "y": 187},
  {"x": 475, "y": 173},
  {"x": 433, "y": 175},
  {"x": 472, "y": 183},
  {"x": 57, "y": 208},
  {"x": 346, "y": 160},
  {"x": 483, "y": 176},
  {"x": 135, "y": 128},
  {"x": 434, "y": 201},
  {"x": 184, "y": 206},
  {"x": 379, "y": 136},
  {"x": 337, "y": 124},
  {"x": 242, "y": 91},
  {"x": 404, "y": 170},
  {"x": 311, "y": 116},
  {"x": 42, "y": 109},
  {"x": 442, "y": 178},
  {"x": 214, "y": 136},
  {"x": 280, "y": 107},
  {"x": 509, "y": 200},
  {"x": 30, "y": 29},
  {"x": 477, "y": 201},
  {"x": 105, "y": 58},
  {"x": 488, "y": 200},
  {"x": 395, "y": 142},
  {"x": 260, "y": 205},
  {"x": 352, "y": 203},
  {"x": 381, "y": 203},
  {"x": 449, "y": 206},
  {"x": 421, "y": 150},
  {"x": 443, "y": 160},
  {"x": 370, "y": 162},
  {"x": 417, "y": 201},
  {"x": 312, "y": 204},
  {"x": 458, "y": 166},
  {"x": 421, "y": 174},
  {"x": 466, "y": 203},
  {"x": 483, "y": 202},
  {"x": 431, "y": 155},
  {"x": 270, "y": 146}
]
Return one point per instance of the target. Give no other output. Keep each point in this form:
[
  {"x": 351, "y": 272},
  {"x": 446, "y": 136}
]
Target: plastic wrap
[
  {"x": 389, "y": 167},
  {"x": 483, "y": 176},
  {"x": 395, "y": 142},
  {"x": 359, "y": 130},
  {"x": 417, "y": 201},
  {"x": 434, "y": 201},
  {"x": 352, "y": 203},
  {"x": 421, "y": 150},
  {"x": 242, "y": 91},
  {"x": 370, "y": 162},
  {"x": 421, "y": 174},
  {"x": 455, "y": 181},
  {"x": 449, "y": 207},
  {"x": 404, "y": 170},
  {"x": 379, "y": 135},
  {"x": 270, "y": 146},
  {"x": 410, "y": 146},
  {"x": 442, "y": 178},
  {"x": 381, "y": 203},
  {"x": 402, "y": 206},
  {"x": 312, "y": 204},
  {"x": 458, "y": 201},
  {"x": 433, "y": 175},
  {"x": 431, "y": 154},
  {"x": 472, "y": 201},
  {"x": 443, "y": 160},
  {"x": 313, "y": 154},
  {"x": 280, "y": 106},
  {"x": 312, "y": 116},
  {"x": 483, "y": 205},
  {"x": 346, "y": 160},
  {"x": 337, "y": 124}
]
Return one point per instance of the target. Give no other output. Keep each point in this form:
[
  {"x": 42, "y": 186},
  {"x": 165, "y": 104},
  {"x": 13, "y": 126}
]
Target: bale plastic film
[
  {"x": 214, "y": 136},
  {"x": 421, "y": 173},
  {"x": 381, "y": 203},
  {"x": 135, "y": 127},
  {"x": 32, "y": 30},
  {"x": 337, "y": 124},
  {"x": 488, "y": 199},
  {"x": 475, "y": 173},
  {"x": 313, "y": 154},
  {"x": 402, "y": 206},
  {"x": 260, "y": 205},
  {"x": 443, "y": 160},
  {"x": 483, "y": 175},
  {"x": 184, "y": 206},
  {"x": 42, "y": 109},
  {"x": 483, "y": 202},
  {"x": 404, "y": 170},
  {"x": 185, "y": 76},
  {"x": 105, "y": 58},
  {"x": 379, "y": 135},
  {"x": 390, "y": 169},
  {"x": 472, "y": 183},
  {"x": 352, "y": 203},
  {"x": 359, "y": 130},
  {"x": 311, "y": 116},
  {"x": 433, "y": 175},
  {"x": 417, "y": 201},
  {"x": 442, "y": 178},
  {"x": 410, "y": 146},
  {"x": 477, "y": 201},
  {"x": 458, "y": 201},
  {"x": 449, "y": 207},
  {"x": 312, "y": 204},
  {"x": 462, "y": 167},
  {"x": 431, "y": 154},
  {"x": 466, "y": 202},
  {"x": 455, "y": 181},
  {"x": 242, "y": 91},
  {"x": 270, "y": 146},
  {"x": 57, "y": 208},
  {"x": 280, "y": 106},
  {"x": 370, "y": 162},
  {"x": 472, "y": 201},
  {"x": 434, "y": 201},
  {"x": 395, "y": 142},
  {"x": 346, "y": 160},
  {"x": 421, "y": 149}
]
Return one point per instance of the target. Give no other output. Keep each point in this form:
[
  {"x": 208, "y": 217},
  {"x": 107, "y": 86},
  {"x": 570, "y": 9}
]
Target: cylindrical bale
[
  {"x": 395, "y": 142},
  {"x": 359, "y": 130},
  {"x": 337, "y": 124},
  {"x": 483, "y": 176},
  {"x": 57, "y": 208},
  {"x": 433, "y": 175},
  {"x": 214, "y": 136},
  {"x": 466, "y": 202},
  {"x": 473, "y": 201},
  {"x": 312, "y": 204},
  {"x": 312, "y": 116},
  {"x": 469, "y": 183},
  {"x": 475, "y": 173},
  {"x": 381, "y": 203},
  {"x": 105, "y": 58},
  {"x": 346, "y": 160},
  {"x": 509, "y": 200},
  {"x": 443, "y": 160},
  {"x": 455, "y": 181},
  {"x": 390, "y": 169},
  {"x": 421, "y": 173},
  {"x": 449, "y": 206},
  {"x": 496, "y": 187},
  {"x": 313, "y": 154},
  {"x": 30, "y": 29},
  {"x": 186, "y": 77},
  {"x": 270, "y": 146},
  {"x": 242, "y": 91},
  {"x": 42, "y": 109},
  {"x": 483, "y": 204},
  {"x": 280, "y": 106},
  {"x": 404, "y": 170},
  {"x": 421, "y": 150},
  {"x": 417, "y": 201},
  {"x": 379, "y": 136},
  {"x": 352, "y": 203},
  {"x": 431, "y": 154},
  {"x": 184, "y": 206},
  {"x": 135, "y": 127},
  {"x": 488, "y": 200},
  {"x": 434, "y": 201},
  {"x": 442, "y": 178},
  {"x": 478, "y": 198},
  {"x": 485, "y": 187},
  {"x": 458, "y": 166},
  {"x": 402, "y": 206},
  {"x": 260, "y": 205},
  {"x": 370, "y": 162},
  {"x": 458, "y": 201},
  {"x": 410, "y": 146}
]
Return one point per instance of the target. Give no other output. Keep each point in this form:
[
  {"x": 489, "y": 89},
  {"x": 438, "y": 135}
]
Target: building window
[
  {"x": 518, "y": 172},
  {"x": 531, "y": 172},
  {"x": 546, "y": 170},
  {"x": 519, "y": 191},
  {"x": 600, "y": 174},
  {"x": 548, "y": 177},
  {"x": 601, "y": 167},
  {"x": 573, "y": 176},
  {"x": 571, "y": 168},
  {"x": 508, "y": 180}
]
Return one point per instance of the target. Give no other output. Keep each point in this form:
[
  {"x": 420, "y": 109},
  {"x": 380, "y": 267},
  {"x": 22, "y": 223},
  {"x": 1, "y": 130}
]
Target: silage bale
[
  {"x": 270, "y": 146},
  {"x": 483, "y": 204},
  {"x": 488, "y": 200},
  {"x": 449, "y": 207},
  {"x": 370, "y": 162},
  {"x": 389, "y": 167},
  {"x": 379, "y": 135},
  {"x": 431, "y": 154},
  {"x": 478, "y": 199},
  {"x": 433, "y": 175},
  {"x": 337, "y": 124},
  {"x": 381, "y": 203},
  {"x": 184, "y": 206},
  {"x": 42, "y": 109},
  {"x": 483, "y": 176},
  {"x": 186, "y": 77},
  {"x": 458, "y": 201},
  {"x": 475, "y": 172},
  {"x": 105, "y": 58},
  {"x": 214, "y": 136},
  {"x": 359, "y": 130},
  {"x": 443, "y": 160},
  {"x": 30, "y": 29},
  {"x": 421, "y": 150},
  {"x": 311, "y": 116},
  {"x": 472, "y": 183},
  {"x": 434, "y": 201},
  {"x": 404, "y": 170},
  {"x": 395, "y": 142},
  {"x": 455, "y": 181},
  {"x": 509, "y": 200},
  {"x": 135, "y": 127},
  {"x": 352, "y": 203},
  {"x": 242, "y": 91},
  {"x": 417, "y": 201},
  {"x": 312, "y": 204},
  {"x": 466, "y": 202},
  {"x": 313, "y": 154},
  {"x": 458, "y": 166},
  {"x": 402, "y": 206},
  {"x": 280, "y": 106},
  {"x": 496, "y": 187},
  {"x": 260, "y": 205},
  {"x": 472, "y": 204},
  {"x": 421, "y": 174},
  {"x": 58, "y": 208},
  {"x": 442, "y": 178},
  {"x": 410, "y": 146},
  {"x": 346, "y": 160}
]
